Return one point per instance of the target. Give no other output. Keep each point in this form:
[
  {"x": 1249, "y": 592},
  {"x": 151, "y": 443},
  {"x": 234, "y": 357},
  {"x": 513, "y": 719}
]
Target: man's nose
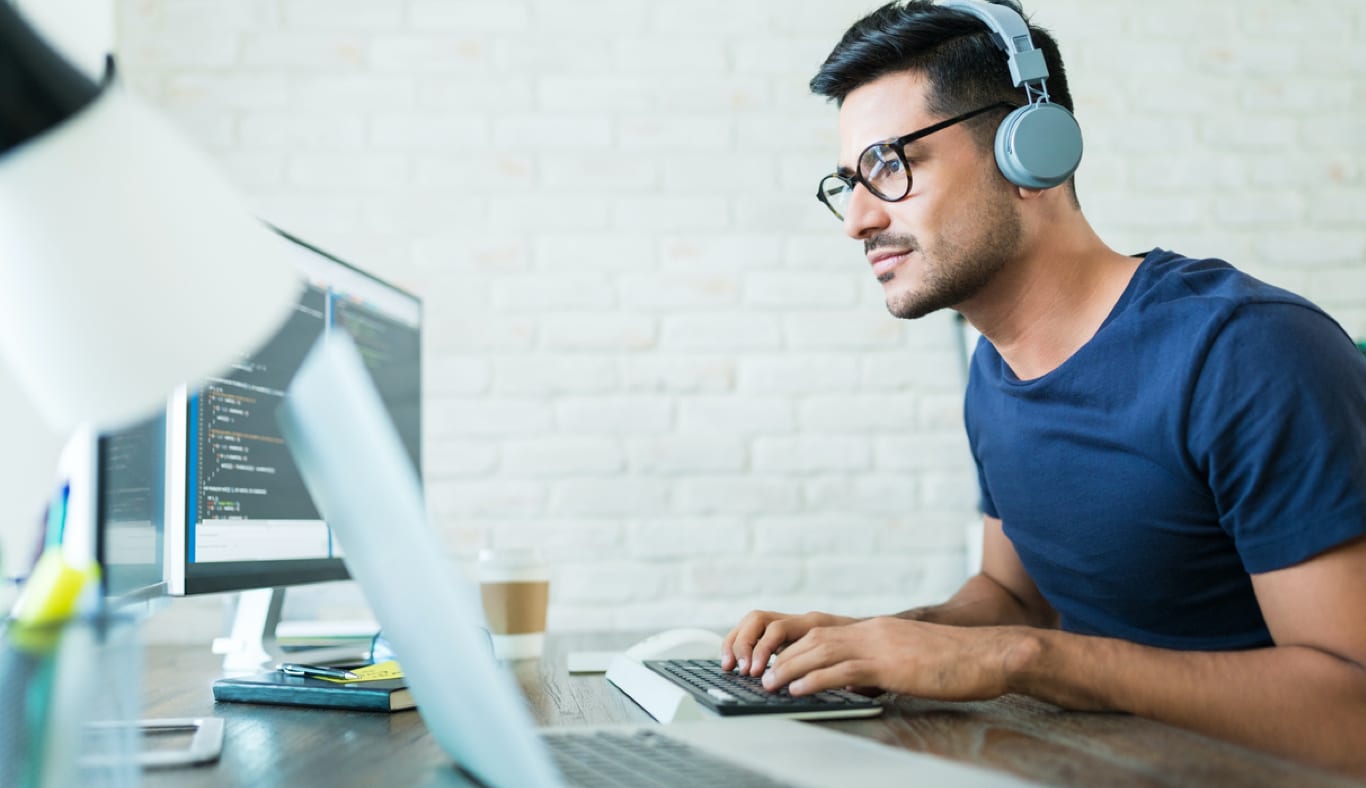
[{"x": 865, "y": 215}]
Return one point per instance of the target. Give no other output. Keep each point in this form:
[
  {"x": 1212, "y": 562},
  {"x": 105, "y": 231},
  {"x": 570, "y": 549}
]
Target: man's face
[{"x": 946, "y": 240}]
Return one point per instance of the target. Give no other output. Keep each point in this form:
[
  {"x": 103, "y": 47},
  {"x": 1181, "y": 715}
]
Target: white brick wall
[{"x": 649, "y": 350}]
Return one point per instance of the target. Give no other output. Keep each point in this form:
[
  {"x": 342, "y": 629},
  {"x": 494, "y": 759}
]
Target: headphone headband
[{"x": 1011, "y": 34}]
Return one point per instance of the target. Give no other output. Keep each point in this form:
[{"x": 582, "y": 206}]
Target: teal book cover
[{"x": 282, "y": 689}]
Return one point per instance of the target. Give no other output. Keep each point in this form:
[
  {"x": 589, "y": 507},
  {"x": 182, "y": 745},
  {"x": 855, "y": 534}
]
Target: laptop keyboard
[
  {"x": 644, "y": 758},
  {"x": 733, "y": 694}
]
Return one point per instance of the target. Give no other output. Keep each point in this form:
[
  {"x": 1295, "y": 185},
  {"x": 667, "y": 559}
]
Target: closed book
[{"x": 276, "y": 687}]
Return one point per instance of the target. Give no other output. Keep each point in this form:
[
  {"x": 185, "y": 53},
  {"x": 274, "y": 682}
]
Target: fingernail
[
  {"x": 743, "y": 663},
  {"x": 768, "y": 679}
]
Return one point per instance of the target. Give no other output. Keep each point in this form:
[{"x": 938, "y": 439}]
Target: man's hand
[
  {"x": 911, "y": 657},
  {"x": 762, "y": 632}
]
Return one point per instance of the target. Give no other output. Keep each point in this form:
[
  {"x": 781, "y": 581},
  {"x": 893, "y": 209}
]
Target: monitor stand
[{"x": 253, "y": 644}]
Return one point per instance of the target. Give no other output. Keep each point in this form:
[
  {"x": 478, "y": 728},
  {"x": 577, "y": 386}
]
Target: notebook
[
  {"x": 361, "y": 480},
  {"x": 285, "y": 690}
]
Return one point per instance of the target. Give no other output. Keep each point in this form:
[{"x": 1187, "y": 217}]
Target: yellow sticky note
[{"x": 375, "y": 672}]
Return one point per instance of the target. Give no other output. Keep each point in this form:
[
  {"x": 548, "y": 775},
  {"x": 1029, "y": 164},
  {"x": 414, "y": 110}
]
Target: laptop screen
[{"x": 355, "y": 467}]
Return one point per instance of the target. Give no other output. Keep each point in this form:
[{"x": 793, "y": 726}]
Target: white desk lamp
[{"x": 127, "y": 266}]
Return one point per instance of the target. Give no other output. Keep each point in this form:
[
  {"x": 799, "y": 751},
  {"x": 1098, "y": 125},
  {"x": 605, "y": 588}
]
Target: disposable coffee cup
[{"x": 514, "y": 585}]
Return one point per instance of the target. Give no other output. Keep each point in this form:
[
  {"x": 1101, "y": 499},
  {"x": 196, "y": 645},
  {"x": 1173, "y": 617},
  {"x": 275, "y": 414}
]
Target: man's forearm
[
  {"x": 982, "y": 602},
  {"x": 1292, "y": 700}
]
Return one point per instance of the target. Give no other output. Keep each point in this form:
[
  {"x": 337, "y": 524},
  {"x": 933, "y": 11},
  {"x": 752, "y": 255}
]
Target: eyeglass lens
[
  {"x": 835, "y": 193},
  {"x": 884, "y": 172}
]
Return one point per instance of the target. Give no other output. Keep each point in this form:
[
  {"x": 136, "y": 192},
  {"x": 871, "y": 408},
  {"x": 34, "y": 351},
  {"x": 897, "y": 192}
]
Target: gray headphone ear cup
[{"x": 1038, "y": 146}]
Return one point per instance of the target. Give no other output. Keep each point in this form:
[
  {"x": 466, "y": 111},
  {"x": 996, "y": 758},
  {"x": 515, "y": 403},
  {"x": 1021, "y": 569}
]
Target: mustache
[{"x": 890, "y": 241}]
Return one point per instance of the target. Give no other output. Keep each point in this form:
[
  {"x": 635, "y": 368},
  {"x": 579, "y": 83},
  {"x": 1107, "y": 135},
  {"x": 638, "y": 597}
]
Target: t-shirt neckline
[{"x": 1122, "y": 303}]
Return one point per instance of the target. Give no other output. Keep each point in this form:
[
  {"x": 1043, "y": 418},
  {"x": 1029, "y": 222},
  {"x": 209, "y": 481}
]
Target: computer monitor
[
  {"x": 130, "y": 494},
  {"x": 238, "y": 516}
]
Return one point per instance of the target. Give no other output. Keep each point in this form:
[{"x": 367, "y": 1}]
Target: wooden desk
[{"x": 291, "y": 746}]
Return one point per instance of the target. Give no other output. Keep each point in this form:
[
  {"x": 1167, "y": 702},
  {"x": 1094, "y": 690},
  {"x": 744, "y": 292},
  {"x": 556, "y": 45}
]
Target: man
[{"x": 1172, "y": 455}]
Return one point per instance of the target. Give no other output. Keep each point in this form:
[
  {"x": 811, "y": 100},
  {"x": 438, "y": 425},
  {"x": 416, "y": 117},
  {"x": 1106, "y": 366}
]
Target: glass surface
[{"x": 70, "y": 690}]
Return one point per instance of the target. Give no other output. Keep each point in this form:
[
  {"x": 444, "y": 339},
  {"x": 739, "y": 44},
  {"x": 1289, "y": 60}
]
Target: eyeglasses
[{"x": 882, "y": 167}]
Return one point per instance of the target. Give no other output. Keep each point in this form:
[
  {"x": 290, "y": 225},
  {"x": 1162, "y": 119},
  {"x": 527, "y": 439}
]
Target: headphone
[{"x": 1038, "y": 146}]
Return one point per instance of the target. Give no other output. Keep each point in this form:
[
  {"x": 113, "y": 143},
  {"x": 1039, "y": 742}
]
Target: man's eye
[{"x": 885, "y": 168}]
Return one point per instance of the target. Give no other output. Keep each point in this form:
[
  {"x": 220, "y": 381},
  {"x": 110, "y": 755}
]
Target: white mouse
[{"x": 687, "y": 643}]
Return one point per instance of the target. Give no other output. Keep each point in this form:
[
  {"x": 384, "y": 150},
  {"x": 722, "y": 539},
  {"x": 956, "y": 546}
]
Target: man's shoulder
[
  {"x": 1167, "y": 277},
  {"x": 1178, "y": 315},
  {"x": 1193, "y": 302}
]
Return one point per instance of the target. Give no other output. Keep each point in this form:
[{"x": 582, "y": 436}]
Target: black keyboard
[
  {"x": 606, "y": 758},
  {"x": 733, "y": 694}
]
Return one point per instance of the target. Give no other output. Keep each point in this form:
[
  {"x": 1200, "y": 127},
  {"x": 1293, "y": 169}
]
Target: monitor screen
[
  {"x": 131, "y": 495},
  {"x": 238, "y": 514}
]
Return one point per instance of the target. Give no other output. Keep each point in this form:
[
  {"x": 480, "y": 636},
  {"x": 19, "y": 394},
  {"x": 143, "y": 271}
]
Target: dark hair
[{"x": 953, "y": 49}]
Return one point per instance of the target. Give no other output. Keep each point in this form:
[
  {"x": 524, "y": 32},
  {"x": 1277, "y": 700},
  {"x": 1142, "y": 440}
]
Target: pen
[
  {"x": 56, "y": 518},
  {"x": 317, "y": 671}
]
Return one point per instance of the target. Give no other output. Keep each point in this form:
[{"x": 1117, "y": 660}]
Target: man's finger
[
  {"x": 727, "y": 654},
  {"x": 774, "y": 636},
  {"x": 749, "y": 630},
  {"x": 833, "y": 677},
  {"x": 817, "y": 649}
]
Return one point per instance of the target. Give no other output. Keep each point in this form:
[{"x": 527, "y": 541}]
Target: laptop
[{"x": 355, "y": 468}]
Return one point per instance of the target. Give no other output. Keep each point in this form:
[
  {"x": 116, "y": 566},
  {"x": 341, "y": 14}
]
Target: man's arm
[
  {"x": 1001, "y": 593},
  {"x": 1304, "y": 698}
]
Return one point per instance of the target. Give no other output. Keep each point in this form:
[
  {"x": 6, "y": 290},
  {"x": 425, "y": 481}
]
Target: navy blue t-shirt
[{"x": 1214, "y": 427}]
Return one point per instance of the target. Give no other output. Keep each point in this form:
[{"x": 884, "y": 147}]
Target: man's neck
[{"x": 1049, "y": 303}]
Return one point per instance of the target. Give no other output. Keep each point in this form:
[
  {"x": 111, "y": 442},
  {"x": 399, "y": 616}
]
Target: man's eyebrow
[{"x": 844, "y": 171}]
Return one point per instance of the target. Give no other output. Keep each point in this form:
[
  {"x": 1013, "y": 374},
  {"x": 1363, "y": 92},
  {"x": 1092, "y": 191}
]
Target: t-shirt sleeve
[
  {"x": 1278, "y": 426},
  {"x": 984, "y": 501}
]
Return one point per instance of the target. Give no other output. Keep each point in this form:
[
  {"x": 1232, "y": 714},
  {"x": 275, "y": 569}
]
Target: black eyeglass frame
[{"x": 898, "y": 146}]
